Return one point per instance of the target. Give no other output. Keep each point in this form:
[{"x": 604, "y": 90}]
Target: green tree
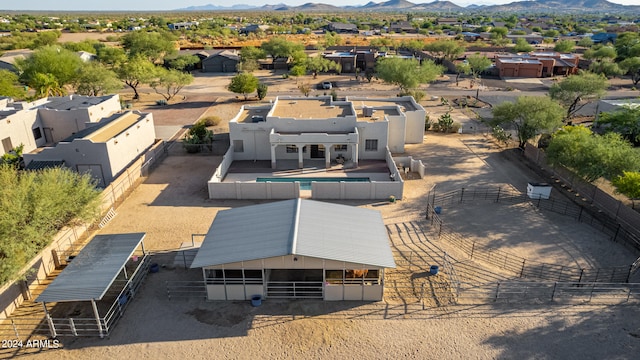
[
  {"x": 462, "y": 68},
  {"x": 95, "y": 79},
  {"x": 499, "y": 32},
  {"x": 576, "y": 91},
  {"x": 320, "y": 64},
  {"x": 585, "y": 42},
  {"x": 606, "y": 68},
  {"x": 478, "y": 64},
  {"x": 170, "y": 82},
  {"x": 631, "y": 66},
  {"x": 9, "y": 85},
  {"x": 444, "y": 50},
  {"x": 279, "y": 47},
  {"x": 628, "y": 184},
  {"x": 111, "y": 56},
  {"x": 244, "y": 83},
  {"x": 136, "y": 71},
  {"x": 600, "y": 53},
  {"x": 528, "y": 116},
  {"x": 551, "y": 33},
  {"x": 522, "y": 46},
  {"x": 625, "y": 122},
  {"x": 564, "y": 46},
  {"x": 34, "y": 206},
  {"x": 151, "y": 45},
  {"x": 407, "y": 73},
  {"x": 252, "y": 52},
  {"x": 627, "y": 45},
  {"x": 262, "y": 90},
  {"x": 58, "y": 65},
  {"x": 592, "y": 156},
  {"x": 183, "y": 62}
]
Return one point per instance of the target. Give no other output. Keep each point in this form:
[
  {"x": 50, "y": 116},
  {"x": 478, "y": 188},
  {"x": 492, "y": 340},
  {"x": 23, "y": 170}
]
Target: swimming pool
[{"x": 305, "y": 182}]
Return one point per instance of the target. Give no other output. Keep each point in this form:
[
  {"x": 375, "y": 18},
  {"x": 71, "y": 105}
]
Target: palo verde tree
[
  {"x": 169, "y": 82},
  {"x": 576, "y": 91},
  {"x": 444, "y": 50},
  {"x": 49, "y": 69},
  {"x": 528, "y": 116},
  {"x": 407, "y": 74},
  {"x": 628, "y": 184},
  {"x": 9, "y": 85},
  {"x": 279, "y": 47},
  {"x": 625, "y": 122},
  {"x": 95, "y": 79},
  {"x": 153, "y": 46},
  {"x": 592, "y": 156},
  {"x": 34, "y": 206},
  {"x": 135, "y": 72},
  {"x": 320, "y": 64},
  {"x": 243, "y": 83},
  {"x": 631, "y": 67}
]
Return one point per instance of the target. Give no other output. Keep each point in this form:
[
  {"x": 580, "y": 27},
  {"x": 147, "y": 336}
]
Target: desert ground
[{"x": 172, "y": 204}]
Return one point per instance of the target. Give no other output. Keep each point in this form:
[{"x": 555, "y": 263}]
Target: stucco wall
[{"x": 18, "y": 127}]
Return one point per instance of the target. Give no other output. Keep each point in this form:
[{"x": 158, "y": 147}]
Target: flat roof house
[
  {"x": 282, "y": 250},
  {"x": 103, "y": 150},
  {"x": 343, "y": 139},
  {"x": 536, "y": 64}
]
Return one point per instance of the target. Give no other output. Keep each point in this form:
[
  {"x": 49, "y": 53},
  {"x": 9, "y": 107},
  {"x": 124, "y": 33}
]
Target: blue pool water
[{"x": 305, "y": 183}]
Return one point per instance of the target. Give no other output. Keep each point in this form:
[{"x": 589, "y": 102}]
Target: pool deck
[{"x": 248, "y": 171}]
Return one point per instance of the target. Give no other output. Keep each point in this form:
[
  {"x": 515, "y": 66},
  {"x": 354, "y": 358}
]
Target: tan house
[{"x": 536, "y": 64}]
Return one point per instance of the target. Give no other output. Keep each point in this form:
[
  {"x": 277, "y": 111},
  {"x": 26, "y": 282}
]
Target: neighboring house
[
  {"x": 103, "y": 150},
  {"x": 342, "y": 28},
  {"x": 8, "y": 59},
  {"x": 448, "y": 21},
  {"x": 295, "y": 249},
  {"x": 603, "y": 38},
  {"x": 183, "y": 25},
  {"x": 49, "y": 120},
  {"x": 536, "y": 64},
  {"x": 402, "y": 27},
  {"x": 530, "y": 38},
  {"x": 201, "y": 54},
  {"x": 347, "y": 60},
  {"x": 41, "y": 124},
  {"x": 295, "y": 133},
  {"x": 221, "y": 61},
  {"x": 254, "y": 28}
]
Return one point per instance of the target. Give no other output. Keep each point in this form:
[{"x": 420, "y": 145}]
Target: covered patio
[{"x": 92, "y": 292}]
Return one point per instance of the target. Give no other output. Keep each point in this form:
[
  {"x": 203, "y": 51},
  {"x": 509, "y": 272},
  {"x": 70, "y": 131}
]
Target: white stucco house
[
  {"x": 87, "y": 134},
  {"x": 283, "y": 250},
  {"x": 297, "y": 132}
]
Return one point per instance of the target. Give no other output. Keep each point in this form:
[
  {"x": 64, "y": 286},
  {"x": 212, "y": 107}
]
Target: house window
[
  {"x": 37, "y": 133},
  {"x": 340, "y": 148},
  {"x": 238, "y": 146},
  {"x": 6, "y": 144},
  {"x": 371, "y": 145},
  {"x": 292, "y": 149}
]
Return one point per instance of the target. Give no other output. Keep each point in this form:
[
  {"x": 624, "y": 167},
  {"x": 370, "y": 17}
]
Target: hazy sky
[{"x": 176, "y": 4}]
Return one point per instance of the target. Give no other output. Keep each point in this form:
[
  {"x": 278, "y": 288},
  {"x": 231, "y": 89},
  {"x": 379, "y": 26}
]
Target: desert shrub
[{"x": 210, "y": 121}]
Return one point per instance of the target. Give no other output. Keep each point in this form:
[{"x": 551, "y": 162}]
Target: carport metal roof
[
  {"x": 296, "y": 227},
  {"x": 91, "y": 273}
]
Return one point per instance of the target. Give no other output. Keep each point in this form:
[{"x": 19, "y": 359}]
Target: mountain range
[{"x": 555, "y": 6}]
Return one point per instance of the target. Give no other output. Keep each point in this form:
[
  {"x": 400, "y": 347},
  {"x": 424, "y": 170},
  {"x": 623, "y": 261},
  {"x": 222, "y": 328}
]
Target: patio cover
[{"x": 91, "y": 273}]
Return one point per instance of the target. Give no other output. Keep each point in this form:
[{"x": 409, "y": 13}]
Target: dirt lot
[{"x": 172, "y": 204}]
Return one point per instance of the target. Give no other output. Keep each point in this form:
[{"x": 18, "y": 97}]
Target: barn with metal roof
[{"x": 295, "y": 249}]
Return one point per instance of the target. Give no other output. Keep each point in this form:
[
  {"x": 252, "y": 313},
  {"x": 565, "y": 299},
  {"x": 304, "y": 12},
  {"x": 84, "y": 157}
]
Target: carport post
[
  {"x": 52, "y": 327},
  {"x": 97, "y": 315}
]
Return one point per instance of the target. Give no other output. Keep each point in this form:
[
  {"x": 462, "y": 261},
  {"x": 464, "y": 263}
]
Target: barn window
[
  {"x": 334, "y": 276},
  {"x": 292, "y": 149},
  {"x": 340, "y": 148},
  {"x": 238, "y": 146}
]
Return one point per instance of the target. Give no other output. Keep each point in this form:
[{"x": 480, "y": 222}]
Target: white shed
[{"x": 295, "y": 249}]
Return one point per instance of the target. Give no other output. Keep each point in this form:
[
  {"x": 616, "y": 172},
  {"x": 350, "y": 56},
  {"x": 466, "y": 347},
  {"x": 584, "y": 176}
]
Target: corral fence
[
  {"x": 186, "y": 289},
  {"x": 517, "y": 265},
  {"x": 618, "y": 220},
  {"x": 549, "y": 292}
]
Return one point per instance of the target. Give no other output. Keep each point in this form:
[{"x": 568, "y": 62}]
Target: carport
[{"x": 106, "y": 274}]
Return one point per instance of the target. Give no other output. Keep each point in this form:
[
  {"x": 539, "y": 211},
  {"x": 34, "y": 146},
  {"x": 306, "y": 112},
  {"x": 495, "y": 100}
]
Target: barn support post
[
  {"x": 52, "y": 327},
  {"x": 97, "y": 315}
]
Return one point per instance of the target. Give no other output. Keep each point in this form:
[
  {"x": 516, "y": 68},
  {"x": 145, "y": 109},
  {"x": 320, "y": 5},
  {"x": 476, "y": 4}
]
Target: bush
[{"x": 210, "y": 121}]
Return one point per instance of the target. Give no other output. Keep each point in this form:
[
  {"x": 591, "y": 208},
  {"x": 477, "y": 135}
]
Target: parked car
[{"x": 327, "y": 85}]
